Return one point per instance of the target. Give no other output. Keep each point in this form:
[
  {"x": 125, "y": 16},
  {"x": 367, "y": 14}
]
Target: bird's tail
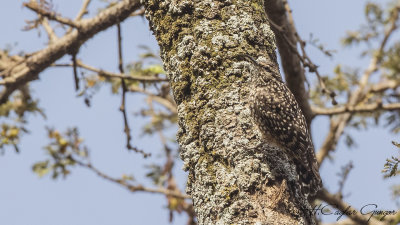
[{"x": 310, "y": 180}]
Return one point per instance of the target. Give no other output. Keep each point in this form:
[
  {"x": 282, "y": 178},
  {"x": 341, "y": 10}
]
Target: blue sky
[{"x": 83, "y": 198}]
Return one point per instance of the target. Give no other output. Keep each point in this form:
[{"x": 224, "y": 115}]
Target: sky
[{"x": 84, "y": 198}]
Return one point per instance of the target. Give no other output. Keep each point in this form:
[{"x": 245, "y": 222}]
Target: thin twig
[
  {"x": 304, "y": 58},
  {"x": 171, "y": 106},
  {"x": 49, "y": 30},
  {"x": 108, "y": 74},
  {"x": 83, "y": 10},
  {"x": 34, "y": 6},
  {"x": 293, "y": 68},
  {"x": 312, "y": 67},
  {"x": 122, "y": 108},
  {"x": 75, "y": 70},
  {"x": 356, "y": 109},
  {"x": 344, "y": 175},
  {"x": 130, "y": 187}
]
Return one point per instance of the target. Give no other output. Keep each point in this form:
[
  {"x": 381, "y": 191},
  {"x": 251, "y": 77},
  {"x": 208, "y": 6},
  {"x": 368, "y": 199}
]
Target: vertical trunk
[{"x": 234, "y": 176}]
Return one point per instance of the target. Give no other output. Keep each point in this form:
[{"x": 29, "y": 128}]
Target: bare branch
[
  {"x": 337, "y": 126},
  {"x": 356, "y": 109},
  {"x": 83, "y": 10},
  {"x": 115, "y": 75},
  {"x": 81, "y": 13},
  {"x": 28, "y": 69},
  {"x": 7, "y": 60},
  {"x": 305, "y": 59},
  {"x": 171, "y": 106},
  {"x": 122, "y": 108},
  {"x": 75, "y": 71},
  {"x": 383, "y": 86},
  {"x": 284, "y": 30},
  {"x": 338, "y": 203},
  {"x": 344, "y": 175},
  {"x": 287, "y": 36},
  {"x": 34, "y": 6},
  {"x": 50, "y": 32},
  {"x": 130, "y": 187}
]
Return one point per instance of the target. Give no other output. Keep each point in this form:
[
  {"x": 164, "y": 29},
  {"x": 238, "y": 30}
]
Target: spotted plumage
[{"x": 281, "y": 121}]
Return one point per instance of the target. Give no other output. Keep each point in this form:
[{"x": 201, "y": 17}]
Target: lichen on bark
[{"x": 234, "y": 176}]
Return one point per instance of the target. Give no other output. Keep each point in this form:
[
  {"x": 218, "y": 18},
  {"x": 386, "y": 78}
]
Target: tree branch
[
  {"x": 171, "y": 106},
  {"x": 34, "y": 6},
  {"x": 122, "y": 108},
  {"x": 337, "y": 126},
  {"x": 109, "y": 74},
  {"x": 50, "y": 32},
  {"x": 130, "y": 187},
  {"x": 83, "y": 10},
  {"x": 336, "y": 202},
  {"x": 28, "y": 69},
  {"x": 291, "y": 63},
  {"x": 356, "y": 109},
  {"x": 383, "y": 86}
]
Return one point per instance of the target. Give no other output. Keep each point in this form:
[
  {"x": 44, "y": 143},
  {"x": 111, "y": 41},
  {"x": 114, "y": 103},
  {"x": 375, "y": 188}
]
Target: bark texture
[{"x": 234, "y": 176}]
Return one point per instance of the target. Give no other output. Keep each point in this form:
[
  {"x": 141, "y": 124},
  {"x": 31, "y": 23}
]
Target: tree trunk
[{"x": 235, "y": 177}]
